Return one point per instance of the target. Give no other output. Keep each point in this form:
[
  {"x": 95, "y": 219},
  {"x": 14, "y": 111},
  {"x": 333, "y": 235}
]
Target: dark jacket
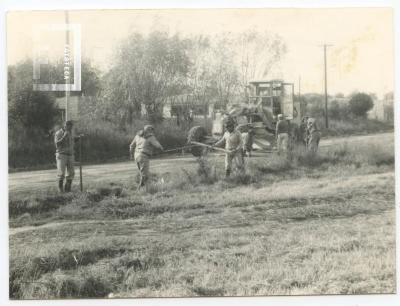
[{"x": 282, "y": 127}]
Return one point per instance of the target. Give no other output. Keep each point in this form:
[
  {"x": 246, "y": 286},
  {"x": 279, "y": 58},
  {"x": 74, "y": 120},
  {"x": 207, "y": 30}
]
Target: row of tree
[
  {"x": 357, "y": 105},
  {"x": 147, "y": 70}
]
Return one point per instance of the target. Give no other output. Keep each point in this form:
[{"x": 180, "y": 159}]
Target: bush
[
  {"x": 29, "y": 148},
  {"x": 170, "y": 135},
  {"x": 102, "y": 142},
  {"x": 355, "y": 126},
  {"x": 338, "y": 111},
  {"x": 360, "y": 104}
]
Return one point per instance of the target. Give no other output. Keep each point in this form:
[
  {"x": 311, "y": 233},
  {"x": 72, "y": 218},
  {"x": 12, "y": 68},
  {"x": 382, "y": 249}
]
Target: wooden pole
[
  {"x": 67, "y": 80},
  {"x": 326, "y": 90},
  {"x": 326, "y": 86},
  {"x": 80, "y": 164}
]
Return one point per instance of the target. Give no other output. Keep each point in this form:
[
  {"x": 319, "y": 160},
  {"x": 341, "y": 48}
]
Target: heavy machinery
[{"x": 265, "y": 100}]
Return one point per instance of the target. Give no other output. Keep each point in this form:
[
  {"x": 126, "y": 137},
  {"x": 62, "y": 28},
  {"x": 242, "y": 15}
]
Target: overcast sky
[{"x": 361, "y": 56}]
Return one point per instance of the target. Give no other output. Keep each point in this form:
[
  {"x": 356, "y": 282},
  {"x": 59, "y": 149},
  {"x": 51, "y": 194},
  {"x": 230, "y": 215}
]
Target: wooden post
[{"x": 80, "y": 163}]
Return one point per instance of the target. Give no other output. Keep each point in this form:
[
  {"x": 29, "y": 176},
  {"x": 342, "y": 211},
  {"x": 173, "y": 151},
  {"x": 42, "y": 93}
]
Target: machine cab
[{"x": 273, "y": 98}]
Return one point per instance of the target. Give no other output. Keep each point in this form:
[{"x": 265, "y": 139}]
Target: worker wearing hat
[
  {"x": 64, "y": 142},
  {"x": 142, "y": 148},
  {"x": 232, "y": 139},
  {"x": 304, "y": 130},
  {"x": 282, "y": 134},
  {"x": 314, "y": 135}
]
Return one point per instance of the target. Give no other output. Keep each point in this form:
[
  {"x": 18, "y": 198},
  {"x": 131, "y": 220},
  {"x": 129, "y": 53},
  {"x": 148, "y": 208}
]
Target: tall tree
[
  {"x": 258, "y": 55},
  {"x": 146, "y": 71},
  {"x": 27, "y": 108},
  {"x": 360, "y": 104}
]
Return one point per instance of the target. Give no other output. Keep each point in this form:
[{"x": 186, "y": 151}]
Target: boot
[
  {"x": 227, "y": 173},
  {"x": 61, "y": 185},
  {"x": 68, "y": 186}
]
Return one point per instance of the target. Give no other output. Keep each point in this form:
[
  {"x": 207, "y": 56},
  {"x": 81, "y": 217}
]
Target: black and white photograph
[{"x": 200, "y": 152}]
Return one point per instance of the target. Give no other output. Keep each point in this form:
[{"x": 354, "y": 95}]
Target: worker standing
[
  {"x": 232, "y": 139},
  {"x": 314, "y": 135},
  {"x": 142, "y": 148},
  {"x": 248, "y": 140},
  {"x": 64, "y": 142},
  {"x": 282, "y": 135},
  {"x": 304, "y": 131}
]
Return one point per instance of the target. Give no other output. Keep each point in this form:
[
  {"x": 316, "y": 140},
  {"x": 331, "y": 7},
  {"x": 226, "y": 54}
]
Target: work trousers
[
  {"x": 237, "y": 158},
  {"x": 143, "y": 163},
  {"x": 313, "y": 141},
  {"x": 282, "y": 142},
  {"x": 65, "y": 166}
]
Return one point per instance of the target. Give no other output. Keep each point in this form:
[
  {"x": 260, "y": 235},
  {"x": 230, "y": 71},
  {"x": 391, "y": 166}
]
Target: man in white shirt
[
  {"x": 233, "y": 143},
  {"x": 142, "y": 148}
]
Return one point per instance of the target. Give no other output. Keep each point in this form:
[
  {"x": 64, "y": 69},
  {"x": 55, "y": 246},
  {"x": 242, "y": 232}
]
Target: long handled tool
[
  {"x": 176, "y": 149},
  {"x": 210, "y": 147},
  {"x": 167, "y": 151}
]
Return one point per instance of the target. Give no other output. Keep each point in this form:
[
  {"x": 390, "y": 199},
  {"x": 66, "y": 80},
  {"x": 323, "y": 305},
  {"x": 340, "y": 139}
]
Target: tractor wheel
[{"x": 198, "y": 134}]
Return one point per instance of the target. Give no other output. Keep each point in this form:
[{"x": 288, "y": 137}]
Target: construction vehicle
[{"x": 259, "y": 111}]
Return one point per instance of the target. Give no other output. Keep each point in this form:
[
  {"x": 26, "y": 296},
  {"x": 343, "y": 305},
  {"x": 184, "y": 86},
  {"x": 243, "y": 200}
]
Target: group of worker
[
  {"x": 309, "y": 134},
  {"x": 237, "y": 145}
]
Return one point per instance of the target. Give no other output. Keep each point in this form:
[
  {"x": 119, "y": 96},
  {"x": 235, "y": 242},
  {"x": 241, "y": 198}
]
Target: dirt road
[{"x": 125, "y": 171}]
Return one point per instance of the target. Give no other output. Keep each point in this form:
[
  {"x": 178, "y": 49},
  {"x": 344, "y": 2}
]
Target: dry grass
[{"x": 316, "y": 225}]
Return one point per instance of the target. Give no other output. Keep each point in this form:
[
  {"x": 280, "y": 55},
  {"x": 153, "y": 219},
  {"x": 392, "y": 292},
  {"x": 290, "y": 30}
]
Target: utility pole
[
  {"x": 299, "y": 86},
  {"x": 326, "y": 87},
  {"x": 300, "y": 110},
  {"x": 66, "y": 60}
]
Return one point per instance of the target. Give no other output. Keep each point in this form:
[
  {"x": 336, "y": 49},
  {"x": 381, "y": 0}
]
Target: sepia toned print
[{"x": 201, "y": 152}]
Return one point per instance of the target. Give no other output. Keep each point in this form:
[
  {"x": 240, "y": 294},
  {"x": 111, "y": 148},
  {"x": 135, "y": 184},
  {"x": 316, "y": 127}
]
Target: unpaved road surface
[{"x": 125, "y": 171}]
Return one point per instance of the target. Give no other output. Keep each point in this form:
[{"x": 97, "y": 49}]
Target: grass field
[{"x": 316, "y": 225}]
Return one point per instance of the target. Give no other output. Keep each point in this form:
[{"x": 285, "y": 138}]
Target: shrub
[
  {"x": 102, "y": 142},
  {"x": 360, "y": 104},
  {"x": 29, "y": 148},
  {"x": 355, "y": 126},
  {"x": 338, "y": 111}
]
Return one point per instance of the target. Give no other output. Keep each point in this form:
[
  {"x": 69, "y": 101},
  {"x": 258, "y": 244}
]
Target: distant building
[
  {"x": 185, "y": 105},
  {"x": 383, "y": 109}
]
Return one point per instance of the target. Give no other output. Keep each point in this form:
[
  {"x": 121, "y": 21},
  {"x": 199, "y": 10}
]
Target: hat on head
[{"x": 148, "y": 128}]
